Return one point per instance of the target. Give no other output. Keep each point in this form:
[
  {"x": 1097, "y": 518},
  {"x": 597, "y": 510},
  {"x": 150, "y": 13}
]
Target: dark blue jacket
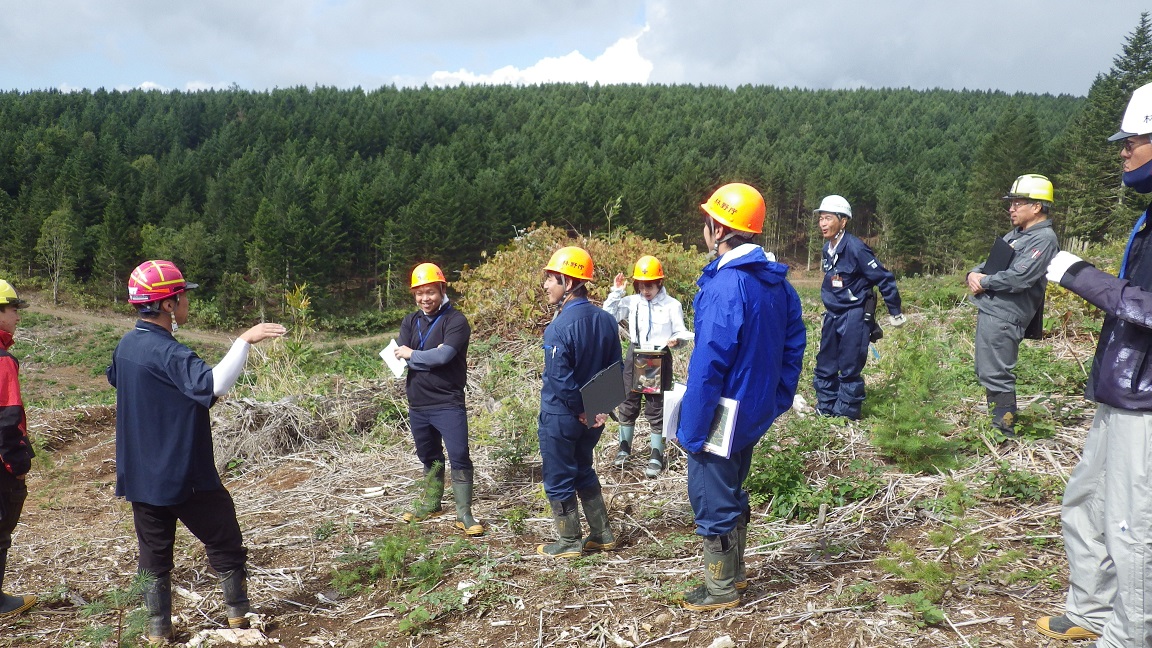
[
  {"x": 441, "y": 386},
  {"x": 859, "y": 271},
  {"x": 581, "y": 342},
  {"x": 750, "y": 342},
  {"x": 163, "y": 429},
  {"x": 1121, "y": 373}
]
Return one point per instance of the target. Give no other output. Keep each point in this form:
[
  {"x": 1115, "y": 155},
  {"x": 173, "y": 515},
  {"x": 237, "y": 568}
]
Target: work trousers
[
  {"x": 716, "y": 489},
  {"x": 434, "y": 430},
  {"x": 840, "y": 362},
  {"x": 997, "y": 349},
  {"x": 1107, "y": 523},
  {"x": 209, "y": 515},
  {"x": 12, "y": 496},
  {"x": 566, "y": 448}
]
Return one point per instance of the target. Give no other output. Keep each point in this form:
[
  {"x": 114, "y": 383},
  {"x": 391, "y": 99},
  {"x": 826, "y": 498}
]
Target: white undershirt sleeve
[{"x": 225, "y": 373}]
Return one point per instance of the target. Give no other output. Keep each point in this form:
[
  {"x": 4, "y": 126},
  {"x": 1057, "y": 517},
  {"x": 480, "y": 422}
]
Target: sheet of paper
[
  {"x": 672, "y": 401},
  {"x": 388, "y": 355}
]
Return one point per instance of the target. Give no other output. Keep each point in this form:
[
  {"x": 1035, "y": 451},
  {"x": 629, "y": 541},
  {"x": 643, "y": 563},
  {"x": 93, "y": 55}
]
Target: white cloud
[{"x": 621, "y": 62}]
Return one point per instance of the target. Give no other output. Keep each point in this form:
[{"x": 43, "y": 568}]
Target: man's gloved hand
[
  {"x": 897, "y": 320},
  {"x": 1060, "y": 265}
]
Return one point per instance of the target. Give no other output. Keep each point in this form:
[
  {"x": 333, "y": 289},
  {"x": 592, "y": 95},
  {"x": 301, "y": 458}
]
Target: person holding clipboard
[
  {"x": 581, "y": 344},
  {"x": 1008, "y": 291},
  {"x": 750, "y": 342}
]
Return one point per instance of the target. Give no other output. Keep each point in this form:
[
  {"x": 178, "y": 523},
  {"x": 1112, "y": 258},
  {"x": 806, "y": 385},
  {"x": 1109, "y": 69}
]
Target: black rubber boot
[
  {"x": 427, "y": 504},
  {"x": 566, "y": 517},
  {"x": 234, "y": 584},
  {"x": 11, "y": 606},
  {"x": 599, "y": 536},
  {"x": 158, "y": 600},
  {"x": 462, "y": 488},
  {"x": 719, "y": 590},
  {"x": 626, "y": 432},
  {"x": 1002, "y": 406}
]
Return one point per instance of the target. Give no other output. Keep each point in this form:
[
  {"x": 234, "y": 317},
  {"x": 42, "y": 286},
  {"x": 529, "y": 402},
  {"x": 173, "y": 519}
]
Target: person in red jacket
[{"x": 15, "y": 449}]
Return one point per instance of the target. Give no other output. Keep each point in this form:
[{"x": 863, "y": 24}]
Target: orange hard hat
[
  {"x": 648, "y": 268},
  {"x": 427, "y": 273},
  {"x": 738, "y": 206},
  {"x": 571, "y": 261}
]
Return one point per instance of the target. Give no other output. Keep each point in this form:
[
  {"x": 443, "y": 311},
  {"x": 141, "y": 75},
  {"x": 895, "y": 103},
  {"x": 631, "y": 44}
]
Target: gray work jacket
[{"x": 1016, "y": 293}]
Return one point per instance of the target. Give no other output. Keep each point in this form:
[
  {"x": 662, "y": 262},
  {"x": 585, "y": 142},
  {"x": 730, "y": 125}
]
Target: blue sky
[{"x": 1055, "y": 46}]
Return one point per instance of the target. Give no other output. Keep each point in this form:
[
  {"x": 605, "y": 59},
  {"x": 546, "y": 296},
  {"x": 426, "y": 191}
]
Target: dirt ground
[{"x": 812, "y": 584}]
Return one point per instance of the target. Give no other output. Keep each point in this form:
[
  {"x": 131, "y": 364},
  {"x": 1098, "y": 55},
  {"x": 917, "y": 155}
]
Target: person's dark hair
[
  {"x": 581, "y": 290},
  {"x": 1045, "y": 207},
  {"x": 152, "y": 310}
]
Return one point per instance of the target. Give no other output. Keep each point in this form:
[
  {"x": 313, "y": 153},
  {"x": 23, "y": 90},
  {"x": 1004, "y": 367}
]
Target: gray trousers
[
  {"x": 1107, "y": 522},
  {"x": 997, "y": 349}
]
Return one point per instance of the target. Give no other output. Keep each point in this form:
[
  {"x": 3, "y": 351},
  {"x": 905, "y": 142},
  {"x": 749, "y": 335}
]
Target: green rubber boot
[
  {"x": 626, "y": 432},
  {"x": 719, "y": 590},
  {"x": 656, "y": 463},
  {"x": 428, "y": 504},
  {"x": 599, "y": 536},
  {"x": 462, "y": 494},
  {"x": 566, "y": 517},
  {"x": 741, "y": 580}
]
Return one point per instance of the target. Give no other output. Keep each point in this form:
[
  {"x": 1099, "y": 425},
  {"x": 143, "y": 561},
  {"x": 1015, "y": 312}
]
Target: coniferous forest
[{"x": 345, "y": 189}]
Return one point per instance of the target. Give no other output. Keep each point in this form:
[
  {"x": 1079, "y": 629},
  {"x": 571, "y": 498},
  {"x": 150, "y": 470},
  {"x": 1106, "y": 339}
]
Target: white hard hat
[
  {"x": 1137, "y": 116},
  {"x": 835, "y": 205}
]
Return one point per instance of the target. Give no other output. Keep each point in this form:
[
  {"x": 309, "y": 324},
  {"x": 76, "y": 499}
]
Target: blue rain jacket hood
[{"x": 750, "y": 340}]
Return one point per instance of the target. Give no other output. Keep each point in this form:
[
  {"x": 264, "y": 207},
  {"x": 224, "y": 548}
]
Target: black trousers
[
  {"x": 209, "y": 515},
  {"x": 12, "y": 496}
]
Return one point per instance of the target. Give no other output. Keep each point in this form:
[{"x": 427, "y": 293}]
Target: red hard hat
[{"x": 154, "y": 281}]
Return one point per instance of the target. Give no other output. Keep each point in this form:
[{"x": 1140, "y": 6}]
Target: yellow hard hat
[
  {"x": 648, "y": 268},
  {"x": 1032, "y": 186},
  {"x": 427, "y": 273},
  {"x": 738, "y": 206},
  {"x": 8, "y": 296},
  {"x": 572, "y": 261}
]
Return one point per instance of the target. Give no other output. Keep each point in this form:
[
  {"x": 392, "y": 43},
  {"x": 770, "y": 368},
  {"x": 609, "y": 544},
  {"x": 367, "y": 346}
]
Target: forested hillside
[{"x": 342, "y": 188}]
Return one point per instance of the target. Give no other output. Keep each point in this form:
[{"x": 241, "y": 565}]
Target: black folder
[
  {"x": 999, "y": 257},
  {"x": 604, "y": 392}
]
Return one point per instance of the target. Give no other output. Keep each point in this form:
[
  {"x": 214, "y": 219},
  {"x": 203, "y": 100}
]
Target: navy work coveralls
[
  {"x": 581, "y": 342},
  {"x": 850, "y": 271}
]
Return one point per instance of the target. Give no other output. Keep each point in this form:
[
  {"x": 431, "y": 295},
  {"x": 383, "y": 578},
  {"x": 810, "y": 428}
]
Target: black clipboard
[
  {"x": 604, "y": 392},
  {"x": 999, "y": 257}
]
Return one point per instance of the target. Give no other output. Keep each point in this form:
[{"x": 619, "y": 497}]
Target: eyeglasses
[
  {"x": 1132, "y": 143},
  {"x": 1017, "y": 204}
]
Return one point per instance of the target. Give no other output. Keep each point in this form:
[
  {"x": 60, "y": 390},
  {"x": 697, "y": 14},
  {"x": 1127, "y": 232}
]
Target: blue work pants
[
  {"x": 566, "y": 448},
  {"x": 434, "y": 430},
  {"x": 840, "y": 363},
  {"x": 716, "y": 489}
]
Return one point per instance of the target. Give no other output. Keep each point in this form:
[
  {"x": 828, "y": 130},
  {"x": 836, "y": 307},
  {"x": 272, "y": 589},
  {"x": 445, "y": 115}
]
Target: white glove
[
  {"x": 800, "y": 406},
  {"x": 1060, "y": 264},
  {"x": 897, "y": 320}
]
